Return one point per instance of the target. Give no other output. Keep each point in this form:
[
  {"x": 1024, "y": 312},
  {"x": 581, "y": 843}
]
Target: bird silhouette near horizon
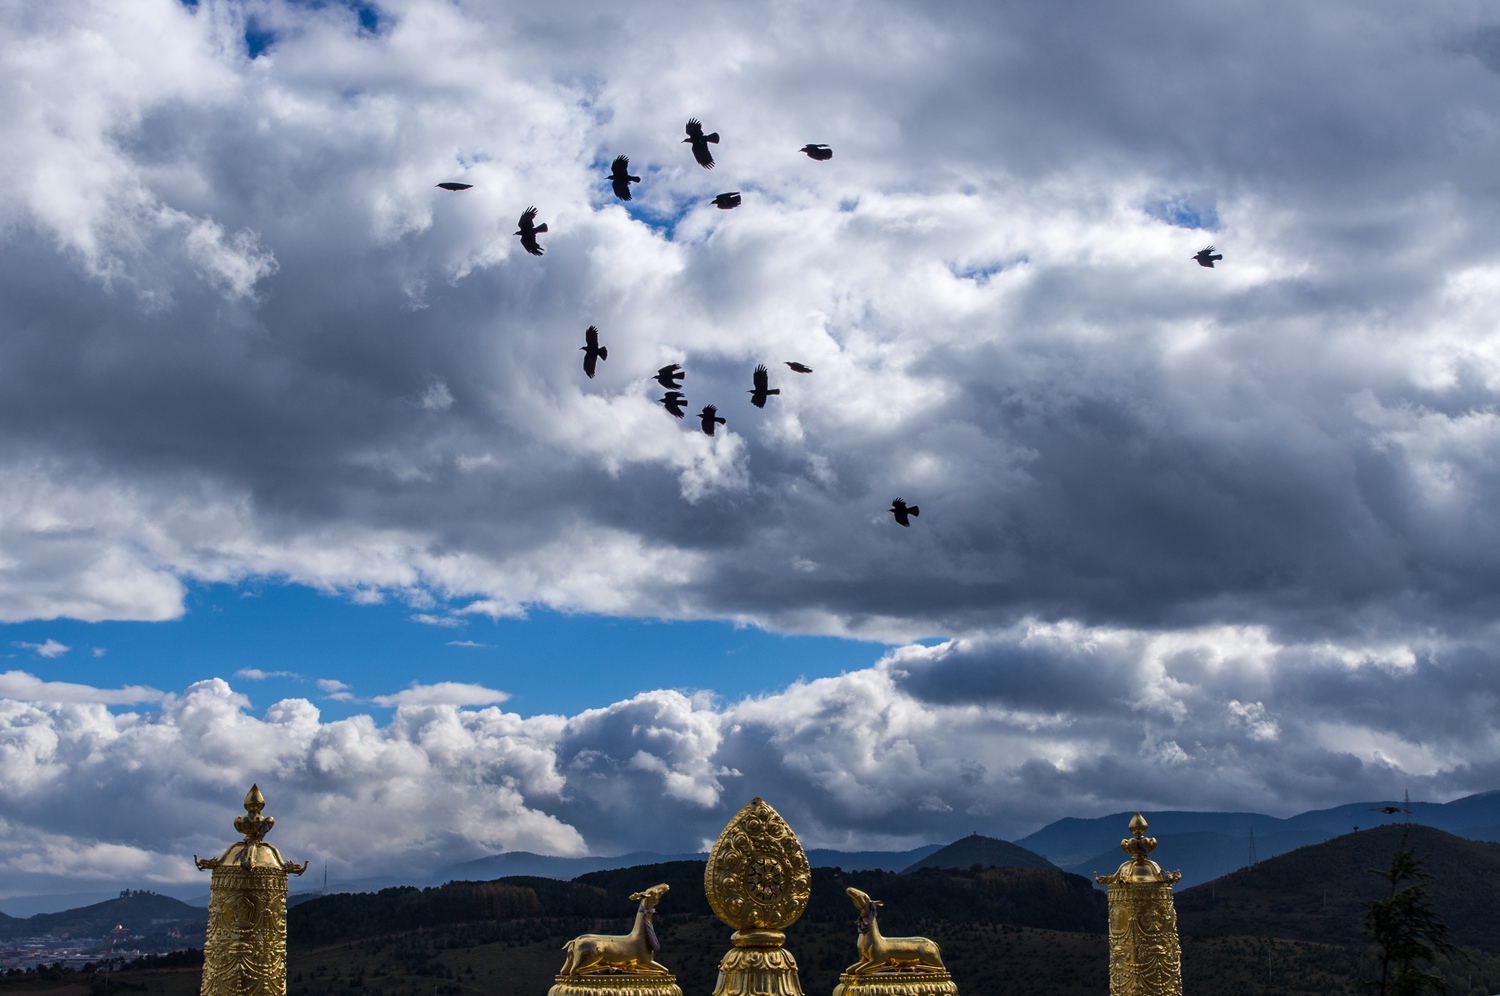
[
  {"x": 762, "y": 388},
  {"x": 620, "y": 178},
  {"x": 726, "y": 201},
  {"x": 901, "y": 510},
  {"x": 528, "y": 231},
  {"x": 1391, "y": 810},
  {"x": 710, "y": 417},
  {"x": 450, "y": 185},
  {"x": 700, "y": 143},
  {"x": 670, "y": 376},
  {"x": 818, "y": 151},
  {"x": 1206, "y": 256},
  {"x": 592, "y": 351},
  {"x": 674, "y": 400},
  {"x": 801, "y": 368}
]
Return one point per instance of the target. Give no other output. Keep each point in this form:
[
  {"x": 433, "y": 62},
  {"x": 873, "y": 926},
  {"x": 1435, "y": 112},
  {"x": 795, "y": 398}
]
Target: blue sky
[
  {"x": 271, "y": 401},
  {"x": 547, "y": 662}
]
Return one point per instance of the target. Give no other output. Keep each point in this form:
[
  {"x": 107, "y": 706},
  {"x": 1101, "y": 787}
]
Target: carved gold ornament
[
  {"x": 757, "y": 876},
  {"x": 758, "y": 882}
]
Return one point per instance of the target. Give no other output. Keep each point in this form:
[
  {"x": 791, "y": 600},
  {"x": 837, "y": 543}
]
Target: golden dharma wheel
[{"x": 757, "y": 876}]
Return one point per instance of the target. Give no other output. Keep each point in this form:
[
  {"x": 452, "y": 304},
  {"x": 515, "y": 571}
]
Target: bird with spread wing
[
  {"x": 670, "y": 376},
  {"x": 901, "y": 510},
  {"x": 528, "y": 231},
  {"x": 700, "y": 143},
  {"x": 620, "y": 178},
  {"x": 710, "y": 418},
  {"x": 762, "y": 388},
  {"x": 592, "y": 351},
  {"x": 1206, "y": 256},
  {"x": 674, "y": 400}
]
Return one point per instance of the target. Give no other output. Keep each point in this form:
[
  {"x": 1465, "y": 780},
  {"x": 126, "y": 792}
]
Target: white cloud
[
  {"x": 23, "y": 686},
  {"x": 256, "y": 674},
  {"x": 442, "y": 693},
  {"x": 49, "y": 649},
  {"x": 467, "y": 643},
  {"x": 1002, "y": 733},
  {"x": 334, "y": 689}
]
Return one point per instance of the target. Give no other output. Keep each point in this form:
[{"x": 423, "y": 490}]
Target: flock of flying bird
[{"x": 670, "y": 376}]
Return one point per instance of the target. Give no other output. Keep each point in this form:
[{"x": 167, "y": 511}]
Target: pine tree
[{"x": 1405, "y": 927}]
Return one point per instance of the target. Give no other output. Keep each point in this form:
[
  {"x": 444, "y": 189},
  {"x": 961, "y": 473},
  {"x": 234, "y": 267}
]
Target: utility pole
[{"x": 1252, "y": 861}]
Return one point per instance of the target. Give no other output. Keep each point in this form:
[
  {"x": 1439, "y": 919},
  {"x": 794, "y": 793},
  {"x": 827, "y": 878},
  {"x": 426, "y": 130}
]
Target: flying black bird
[
  {"x": 726, "y": 201},
  {"x": 1391, "y": 810},
  {"x": 674, "y": 401},
  {"x": 800, "y": 368},
  {"x": 529, "y": 230},
  {"x": 620, "y": 178},
  {"x": 669, "y": 376},
  {"x": 818, "y": 151},
  {"x": 1206, "y": 256},
  {"x": 592, "y": 351},
  {"x": 762, "y": 387},
  {"x": 710, "y": 417},
  {"x": 901, "y": 510},
  {"x": 699, "y": 142},
  {"x": 449, "y": 185}
]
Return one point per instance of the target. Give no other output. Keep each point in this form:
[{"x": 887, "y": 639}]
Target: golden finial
[{"x": 253, "y": 825}]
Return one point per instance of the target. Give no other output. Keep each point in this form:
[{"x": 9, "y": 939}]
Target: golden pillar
[
  {"x": 1145, "y": 958},
  {"x": 758, "y": 882},
  {"x": 245, "y": 952}
]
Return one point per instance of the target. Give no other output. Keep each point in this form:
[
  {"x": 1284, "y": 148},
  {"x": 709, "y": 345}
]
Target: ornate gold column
[
  {"x": 245, "y": 952},
  {"x": 758, "y": 882},
  {"x": 1145, "y": 958}
]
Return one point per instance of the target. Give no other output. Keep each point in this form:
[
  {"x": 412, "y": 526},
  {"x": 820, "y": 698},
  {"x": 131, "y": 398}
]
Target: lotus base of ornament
[
  {"x": 615, "y": 985},
  {"x": 896, "y": 984},
  {"x": 758, "y": 965}
]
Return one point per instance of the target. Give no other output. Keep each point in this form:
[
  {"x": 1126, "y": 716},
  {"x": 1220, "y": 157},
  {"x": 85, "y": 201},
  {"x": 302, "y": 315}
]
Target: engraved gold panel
[
  {"x": 1145, "y": 957},
  {"x": 757, "y": 876},
  {"x": 244, "y": 953}
]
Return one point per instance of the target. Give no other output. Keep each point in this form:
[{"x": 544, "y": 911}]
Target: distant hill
[
  {"x": 1071, "y": 841},
  {"x": 1317, "y": 893},
  {"x": 1202, "y": 856},
  {"x": 986, "y": 852},
  {"x": 144, "y": 913},
  {"x": 525, "y": 863}
]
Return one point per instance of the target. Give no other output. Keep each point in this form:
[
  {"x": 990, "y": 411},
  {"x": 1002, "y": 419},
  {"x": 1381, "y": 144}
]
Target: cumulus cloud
[
  {"x": 246, "y": 337},
  {"x": 910, "y": 751}
]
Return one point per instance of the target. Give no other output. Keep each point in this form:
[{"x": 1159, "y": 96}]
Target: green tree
[{"x": 1408, "y": 931}]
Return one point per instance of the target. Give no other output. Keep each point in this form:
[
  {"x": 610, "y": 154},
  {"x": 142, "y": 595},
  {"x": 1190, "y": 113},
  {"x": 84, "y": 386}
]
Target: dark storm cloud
[{"x": 1229, "y": 527}]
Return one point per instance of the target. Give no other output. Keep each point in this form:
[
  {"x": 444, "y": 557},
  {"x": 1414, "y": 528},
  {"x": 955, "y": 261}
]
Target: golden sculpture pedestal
[
  {"x": 615, "y": 985},
  {"x": 758, "y": 965},
  {"x": 896, "y": 984}
]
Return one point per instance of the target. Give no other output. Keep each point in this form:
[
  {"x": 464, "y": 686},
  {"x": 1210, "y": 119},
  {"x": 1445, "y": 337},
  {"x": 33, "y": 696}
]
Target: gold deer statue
[
  {"x": 892, "y": 966},
  {"x": 631, "y": 954}
]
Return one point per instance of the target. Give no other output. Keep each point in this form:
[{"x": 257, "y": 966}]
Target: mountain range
[{"x": 1203, "y": 845}]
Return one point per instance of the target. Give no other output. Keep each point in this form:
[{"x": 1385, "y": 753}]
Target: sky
[{"x": 302, "y": 483}]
